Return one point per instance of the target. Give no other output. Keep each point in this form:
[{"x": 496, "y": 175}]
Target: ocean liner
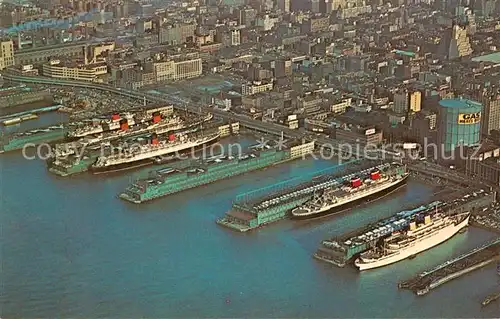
[
  {"x": 140, "y": 155},
  {"x": 102, "y": 125},
  {"x": 349, "y": 193},
  {"x": 158, "y": 126},
  {"x": 422, "y": 233}
]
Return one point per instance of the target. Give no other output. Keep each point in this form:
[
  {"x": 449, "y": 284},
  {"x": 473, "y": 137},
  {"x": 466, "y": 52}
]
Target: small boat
[{"x": 422, "y": 292}]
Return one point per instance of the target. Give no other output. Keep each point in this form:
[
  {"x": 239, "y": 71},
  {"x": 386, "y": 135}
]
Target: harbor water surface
[{"x": 71, "y": 248}]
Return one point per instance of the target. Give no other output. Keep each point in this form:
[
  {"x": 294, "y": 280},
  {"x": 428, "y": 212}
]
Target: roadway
[{"x": 182, "y": 103}]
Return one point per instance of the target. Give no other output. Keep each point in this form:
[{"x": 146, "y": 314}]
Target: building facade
[
  {"x": 177, "y": 34},
  {"x": 256, "y": 87},
  {"x": 455, "y": 43},
  {"x": 91, "y": 72},
  {"x": 405, "y": 101},
  {"x": 491, "y": 119},
  {"x": 6, "y": 54},
  {"x": 284, "y": 5},
  {"x": 178, "y": 68},
  {"x": 459, "y": 123}
]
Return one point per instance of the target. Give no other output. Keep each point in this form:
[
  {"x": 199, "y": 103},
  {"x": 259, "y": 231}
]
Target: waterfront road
[{"x": 181, "y": 103}]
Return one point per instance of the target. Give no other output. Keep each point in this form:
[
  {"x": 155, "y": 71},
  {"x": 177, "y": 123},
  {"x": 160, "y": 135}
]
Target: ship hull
[
  {"x": 353, "y": 203},
  {"x": 121, "y": 167},
  {"x": 142, "y": 162},
  {"x": 440, "y": 237}
]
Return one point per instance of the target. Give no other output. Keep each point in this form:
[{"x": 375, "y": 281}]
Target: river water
[{"x": 71, "y": 248}]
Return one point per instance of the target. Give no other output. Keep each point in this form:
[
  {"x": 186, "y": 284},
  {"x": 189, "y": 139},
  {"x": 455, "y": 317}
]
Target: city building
[
  {"x": 459, "y": 124},
  {"x": 483, "y": 162},
  {"x": 175, "y": 34},
  {"x": 256, "y": 87},
  {"x": 6, "y": 54},
  {"x": 284, "y": 5},
  {"x": 406, "y": 101},
  {"x": 316, "y": 24},
  {"x": 39, "y": 55},
  {"x": 455, "y": 43},
  {"x": 353, "y": 8},
  {"x": 235, "y": 37},
  {"x": 340, "y": 106},
  {"x": 283, "y": 68},
  {"x": 177, "y": 67},
  {"x": 310, "y": 103},
  {"x": 84, "y": 72},
  {"x": 491, "y": 118}
]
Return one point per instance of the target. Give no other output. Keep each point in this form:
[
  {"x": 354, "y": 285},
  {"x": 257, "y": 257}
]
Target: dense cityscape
[{"x": 250, "y": 158}]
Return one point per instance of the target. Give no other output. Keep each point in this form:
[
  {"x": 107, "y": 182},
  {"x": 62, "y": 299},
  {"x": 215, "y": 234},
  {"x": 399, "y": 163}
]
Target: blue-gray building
[{"x": 459, "y": 123}]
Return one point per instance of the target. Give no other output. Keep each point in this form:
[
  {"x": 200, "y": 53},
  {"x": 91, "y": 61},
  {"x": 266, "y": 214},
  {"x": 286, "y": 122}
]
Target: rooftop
[
  {"x": 493, "y": 57},
  {"x": 459, "y": 103}
]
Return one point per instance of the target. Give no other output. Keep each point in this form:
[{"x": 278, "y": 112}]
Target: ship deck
[
  {"x": 455, "y": 205},
  {"x": 304, "y": 185}
]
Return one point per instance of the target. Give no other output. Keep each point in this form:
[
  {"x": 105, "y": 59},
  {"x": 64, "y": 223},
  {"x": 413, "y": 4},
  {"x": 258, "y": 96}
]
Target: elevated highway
[{"x": 265, "y": 127}]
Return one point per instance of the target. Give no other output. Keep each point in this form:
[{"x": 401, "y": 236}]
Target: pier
[
  {"x": 477, "y": 258},
  {"x": 343, "y": 249},
  {"x": 272, "y": 203},
  {"x": 490, "y": 298}
]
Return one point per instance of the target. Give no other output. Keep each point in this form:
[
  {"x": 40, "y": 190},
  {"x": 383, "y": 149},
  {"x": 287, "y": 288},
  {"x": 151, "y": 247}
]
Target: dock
[
  {"x": 477, "y": 258},
  {"x": 488, "y": 219},
  {"x": 490, "y": 298},
  {"x": 273, "y": 203},
  {"x": 343, "y": 249},
  {"x": 17, "y": 120}
]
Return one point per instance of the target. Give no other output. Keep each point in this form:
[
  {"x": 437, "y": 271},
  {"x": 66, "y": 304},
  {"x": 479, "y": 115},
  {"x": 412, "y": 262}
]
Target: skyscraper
[
  {"x": 491, "y": 114},
  {"x": 455, "y": 43}
]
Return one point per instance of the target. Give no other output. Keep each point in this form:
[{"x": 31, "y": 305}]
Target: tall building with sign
[{"x": 459, "y": 123}]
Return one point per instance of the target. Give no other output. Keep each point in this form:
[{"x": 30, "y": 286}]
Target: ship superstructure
[
  {"x": 139, "y": 155},
  {"x": 157, "y": 126},
  {"x": 342, "y": 249},
  {"x": 96, "y": 126},
  {"x": 351, "y": 190},
  {"x": 421, "y": 232},
  {"x": 119, "y": 121}
]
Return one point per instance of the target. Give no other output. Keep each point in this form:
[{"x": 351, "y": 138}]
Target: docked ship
[
  {"x": 141, "y": 155},
  {"x": 158, "y": 125},
  {"x": 422, "y": 233},
  {"x": 97, "y": 126},
  {"x": 346, "y": 193},
  {"x": 116, "y": 121}
]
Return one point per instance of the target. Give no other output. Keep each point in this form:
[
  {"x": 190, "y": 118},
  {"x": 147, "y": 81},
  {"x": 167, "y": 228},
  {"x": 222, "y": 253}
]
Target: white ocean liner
[
  {"x": 149, "y": 151},
  {"x": 166, "y": 125},
  {"x": 340, "y": 197},
  {"x": 402, "y": 245},
  {"x": 103, "y": 125}
]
